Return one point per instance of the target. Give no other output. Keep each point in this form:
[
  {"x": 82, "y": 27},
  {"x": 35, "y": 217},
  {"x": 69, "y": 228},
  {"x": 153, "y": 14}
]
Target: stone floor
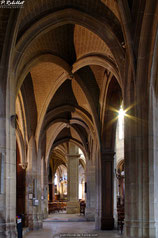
[
  {"x": 65, "y": 217},
  {"x": 66, "y": 225}
]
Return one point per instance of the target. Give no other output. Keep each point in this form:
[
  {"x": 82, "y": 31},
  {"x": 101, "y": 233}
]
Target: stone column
[
  {"x": 8, "y": 179},
  {"x": 91, "y": 191},
  {"x": 115, "y": 193},
  {"x": 39, "y": 217},
  {"x": 42, "y": 188},
  {"x": 7, "y": 143},
  {"x": 140, "y": 170},
  {"x": 45, "y": 191},
  {"x": 73, "y": 180},
  {"x": 33, "y": 186},
  {"x": 153, "y": 165},
  {"x": 98, "y": 210},
  {"x": 107, "y": 160},
  {"x": 61, "y": 191}
]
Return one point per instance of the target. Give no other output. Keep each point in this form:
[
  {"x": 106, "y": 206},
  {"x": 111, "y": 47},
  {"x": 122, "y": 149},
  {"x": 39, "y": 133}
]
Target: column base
[
  {"x": 98, "y": 219},
  {"x": 34, "y": 222},
  {"x": 8, "y": 230},
  {"x": 136, "y": 229},
  {"x": 107, "y": 223},
  {"x": 90, "y": 214},
  {"x": 73, "y": 207}
]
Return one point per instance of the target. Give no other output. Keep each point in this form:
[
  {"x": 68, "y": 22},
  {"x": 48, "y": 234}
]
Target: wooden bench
[{"x": 56, "y": 206}]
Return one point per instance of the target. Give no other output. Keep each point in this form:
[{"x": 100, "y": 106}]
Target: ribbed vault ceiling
[
  {"x": 70, "y": 42},
  {"x": 44, "y": 76},
  {"x": 33, "y": 10},
  {"x": 66, "y": 106}
]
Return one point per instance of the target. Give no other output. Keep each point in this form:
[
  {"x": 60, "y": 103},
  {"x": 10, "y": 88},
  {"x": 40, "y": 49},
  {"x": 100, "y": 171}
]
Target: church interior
[{"x": 79, "y": 114}]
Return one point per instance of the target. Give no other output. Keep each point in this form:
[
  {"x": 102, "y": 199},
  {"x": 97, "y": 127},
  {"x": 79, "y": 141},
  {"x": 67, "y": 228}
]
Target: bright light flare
[
  {"x": 122, "y": 113},
  {"x": 121, "y": 123}
]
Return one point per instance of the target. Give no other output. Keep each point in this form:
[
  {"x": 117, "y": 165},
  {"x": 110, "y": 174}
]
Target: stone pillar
[
  {"x": 33, "y": 186},
  {"x": 8, "y": 179},
  {"x": 107, "y": 220},
  {"x": 42, "y": 188},
  {"x": 140, "y": 172},
  {"x": 7, "y": 166},
  {"x": 73, "y": 180},
  {"x": 153, "y": 165},
  {"x": 98, "y": 210},
  {"x": 115, "y": 193},
  {"x": 29, "y": 183},
  {"x": 39, "y": 216},
  {"x": 91, "y": 191},
  {"x": 61, "y": 190},
  {"x": 45, "y": 191},
  {"x": 53, "y": 192}
]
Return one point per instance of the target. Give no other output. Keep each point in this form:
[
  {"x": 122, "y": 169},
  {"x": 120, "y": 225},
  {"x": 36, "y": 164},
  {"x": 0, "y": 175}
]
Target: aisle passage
[{"x": 70, "y": 226}]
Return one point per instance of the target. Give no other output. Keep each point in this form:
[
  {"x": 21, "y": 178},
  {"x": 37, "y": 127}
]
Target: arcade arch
[{"x": 41, "y": 46}]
